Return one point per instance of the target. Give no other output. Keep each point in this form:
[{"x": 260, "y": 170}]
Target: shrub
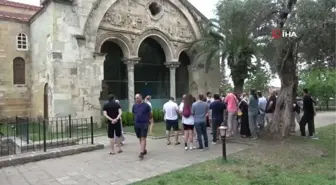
[
  {"x": 127, "y": 119},
  {"x": 158, "y": 115}
]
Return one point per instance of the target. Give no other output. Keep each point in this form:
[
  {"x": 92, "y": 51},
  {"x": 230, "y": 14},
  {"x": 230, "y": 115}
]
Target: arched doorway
[
  {"x": 115, "y": 73},
  {"x": 151, "y": 76},
  {"x": 45, "y": 102},
  {"x": 182, "y": 75}
]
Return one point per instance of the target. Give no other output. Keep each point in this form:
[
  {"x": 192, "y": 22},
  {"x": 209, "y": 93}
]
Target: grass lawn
[
  {"x": 159, "y": 129},
  {"x": 296, "y": 161}
]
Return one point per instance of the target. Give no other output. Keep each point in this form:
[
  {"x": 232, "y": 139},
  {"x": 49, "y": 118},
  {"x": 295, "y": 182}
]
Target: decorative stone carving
[
  {"x": 172, "y": 74},
  {"x": 135, "y": 19},
  {"x": 130, "y": 62}
]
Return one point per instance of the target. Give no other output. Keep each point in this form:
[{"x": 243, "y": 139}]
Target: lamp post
[{"x": 222, "y": 130}]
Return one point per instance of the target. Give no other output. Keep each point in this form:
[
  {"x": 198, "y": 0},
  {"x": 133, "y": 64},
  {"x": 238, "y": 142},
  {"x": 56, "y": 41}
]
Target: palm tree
[{"x": 234, "y": 37}]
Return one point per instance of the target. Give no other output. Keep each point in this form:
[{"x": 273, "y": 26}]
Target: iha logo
[{"x": 278, "y": 33}]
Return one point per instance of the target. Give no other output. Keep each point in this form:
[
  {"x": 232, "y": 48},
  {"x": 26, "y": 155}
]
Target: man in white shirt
[
  {"x": 262, "y": 103},
  {"x": 170, "y": 110},
  {"x": 147, "y": 100},
  {"x": 209, "y": 98}
]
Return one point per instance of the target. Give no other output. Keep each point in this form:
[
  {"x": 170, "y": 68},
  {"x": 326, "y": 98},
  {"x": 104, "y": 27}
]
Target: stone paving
[{"x": 99, "y": 168}]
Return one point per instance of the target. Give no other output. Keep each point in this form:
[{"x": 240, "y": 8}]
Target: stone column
[
  {"x": 130, "y": 62},
  {"x": 172, "y": 75}
]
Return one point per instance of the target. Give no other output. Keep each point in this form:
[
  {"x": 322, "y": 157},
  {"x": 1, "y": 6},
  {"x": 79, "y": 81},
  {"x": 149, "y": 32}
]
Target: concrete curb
[{"x": 20, "y": 159}]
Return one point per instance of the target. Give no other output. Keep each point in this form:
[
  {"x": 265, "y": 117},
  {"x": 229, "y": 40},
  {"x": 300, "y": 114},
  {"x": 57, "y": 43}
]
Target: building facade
[{"x": 72, "y": 52}]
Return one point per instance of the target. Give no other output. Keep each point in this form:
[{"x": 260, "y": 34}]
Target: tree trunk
[
  {"x": 283, "y": 115},
  {"x": 238, "y": 83},
  {"x": 238, "y": 89}
]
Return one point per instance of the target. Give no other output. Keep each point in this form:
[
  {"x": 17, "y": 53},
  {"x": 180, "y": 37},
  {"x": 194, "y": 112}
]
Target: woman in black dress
[{"x": 244, "y": 126}]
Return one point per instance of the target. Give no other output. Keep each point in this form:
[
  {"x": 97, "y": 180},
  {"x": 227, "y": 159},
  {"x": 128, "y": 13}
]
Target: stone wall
[
  {"x": 7, "y": 146},
  {"x": 76, "y": 34},
  {"x": 42, "y": 34},
  {"x": 14, "y": 99}
]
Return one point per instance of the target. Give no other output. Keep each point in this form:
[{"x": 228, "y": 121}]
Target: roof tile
[
  {"x": 19, "y": 5},
  {"x": 16, "y": 16}
]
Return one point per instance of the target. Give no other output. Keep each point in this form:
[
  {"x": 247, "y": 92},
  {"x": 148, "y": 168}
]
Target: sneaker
[
  {"x": 199, "y": 148},
  {"x": 191, "y": 148},
  {"x": 186, "y": 148},
  {"x": 214, "y": 143},
  {"x": 206, "y": 148},
  {"x": 141, "y": 155},
  {"x": 145, "y": 152},
  {"x": 313, "y": 137}
]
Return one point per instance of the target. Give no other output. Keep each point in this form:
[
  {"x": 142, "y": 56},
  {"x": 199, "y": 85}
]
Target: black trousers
[{"x": 307, "y": 119}]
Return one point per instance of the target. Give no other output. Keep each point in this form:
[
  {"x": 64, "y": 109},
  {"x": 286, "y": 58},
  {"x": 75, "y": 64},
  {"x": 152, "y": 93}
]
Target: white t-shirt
[
  {"x": 150, "y": 105},
  {"x": 189, "y": 120},
  {"x": 210, "y": 100},
  {"x": 170, "y": 109},
  {"x": 262, "y": 102}
]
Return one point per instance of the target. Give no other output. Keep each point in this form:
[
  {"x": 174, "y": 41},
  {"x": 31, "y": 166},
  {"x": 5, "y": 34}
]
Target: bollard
[
  {"x": 224, "y": 147},
  {"x": 91, "y": 122},
  {"x": 70, "y": 126},
  {"x": 44, "y": 136},
  {"x": 222, "y": 130}
]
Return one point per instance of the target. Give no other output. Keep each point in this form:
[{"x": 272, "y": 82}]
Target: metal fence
[{"x": 22, "y": 135}]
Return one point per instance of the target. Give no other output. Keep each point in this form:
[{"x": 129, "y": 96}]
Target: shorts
[
  {"x": 172, "y": 123},
  {"x": 141, "y": 131},
  {"x": 216, "y": 123},
  {"x": 114, "y": 129},
  {"x": 188, "y": 127}
]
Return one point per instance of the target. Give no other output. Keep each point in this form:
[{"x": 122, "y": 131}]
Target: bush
[
  {"x": 158, "y": 115},
  {"x": 127, "y": 119}
]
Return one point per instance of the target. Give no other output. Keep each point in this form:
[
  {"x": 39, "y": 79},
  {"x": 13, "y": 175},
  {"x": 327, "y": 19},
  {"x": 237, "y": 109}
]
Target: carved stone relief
[{"x": 135, "y": 19}]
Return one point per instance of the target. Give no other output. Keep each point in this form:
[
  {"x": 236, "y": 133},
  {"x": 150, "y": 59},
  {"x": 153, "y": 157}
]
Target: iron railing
[{"x": 22, "y": 135}]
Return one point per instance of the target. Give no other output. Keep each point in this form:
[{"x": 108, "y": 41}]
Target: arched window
[
  {"x": 22, "y": 41},
  {"x": 19, "y": 73}
]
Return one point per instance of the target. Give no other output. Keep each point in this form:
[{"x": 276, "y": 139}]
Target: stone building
[{"x": 67, "y": 55}]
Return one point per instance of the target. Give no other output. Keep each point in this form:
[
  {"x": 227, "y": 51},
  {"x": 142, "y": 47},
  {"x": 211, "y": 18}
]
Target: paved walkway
[{"x": 99, "y": 168}]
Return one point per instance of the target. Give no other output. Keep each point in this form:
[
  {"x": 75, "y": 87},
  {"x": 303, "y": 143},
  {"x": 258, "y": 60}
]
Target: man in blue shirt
[
  {"x": 141, "y": 111},
  {"x": 217, "y": 108}
]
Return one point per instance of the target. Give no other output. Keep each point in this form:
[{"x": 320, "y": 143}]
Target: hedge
[{"x": 128, "y": 117}]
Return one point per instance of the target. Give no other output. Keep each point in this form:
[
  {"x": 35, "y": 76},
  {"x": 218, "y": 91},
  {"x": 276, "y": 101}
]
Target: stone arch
[
  {"x": 159, "y": 37},
  {"x": 182, "y": 73},
  {"x": 183, "y": 48},
  {"x": 119, "y": 39},
  {"x": 100, "y": 7}
]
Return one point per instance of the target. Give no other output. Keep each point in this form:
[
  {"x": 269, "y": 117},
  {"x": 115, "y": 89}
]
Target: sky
[{"x": 205, "y": 6}]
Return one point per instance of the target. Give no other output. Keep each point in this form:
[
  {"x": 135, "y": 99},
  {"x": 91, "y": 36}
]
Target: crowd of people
[{"x": 245, "y": 115}]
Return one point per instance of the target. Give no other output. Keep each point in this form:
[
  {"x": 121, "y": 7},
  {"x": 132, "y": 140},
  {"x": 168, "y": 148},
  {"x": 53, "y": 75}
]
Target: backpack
[{"x": 186, "y": 111}]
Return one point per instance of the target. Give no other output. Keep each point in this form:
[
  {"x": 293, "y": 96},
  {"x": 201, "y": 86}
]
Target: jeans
[
  {"x": 253, "y": 125},
  {"x": 202, "y": 131},
  {"x": 214, "y": 126},
  {"x": 269, "y": 118},
  {"x": 232, "y": 123},
  {"x": 304, "y": 120},
  {"x": 261, "y": 121}
]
